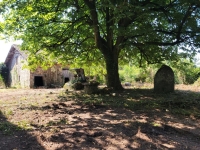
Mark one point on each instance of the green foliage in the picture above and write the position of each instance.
(186, 72)
(101, 32)
(92, 68)
(3, 74)
(1, 82)
(1, 78)
(197, 83)
(130, 73)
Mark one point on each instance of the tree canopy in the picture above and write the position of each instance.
(107, 31)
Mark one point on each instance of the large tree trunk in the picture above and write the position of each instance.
(113, 80)
(105, 45)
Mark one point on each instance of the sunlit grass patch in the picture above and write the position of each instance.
(8, 112)
(156, 124)
(24, 125)
(62, 121)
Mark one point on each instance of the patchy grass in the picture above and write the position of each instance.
(61, 121)
(8, 128)
(178, 103)
(138, 118)
(7, 113)
(24, 125)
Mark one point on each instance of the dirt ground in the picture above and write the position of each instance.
(50, 119)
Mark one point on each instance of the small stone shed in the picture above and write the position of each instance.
(22, 77)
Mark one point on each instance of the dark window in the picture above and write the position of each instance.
(66, 80)
(38, 81)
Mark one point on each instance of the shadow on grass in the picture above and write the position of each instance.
(104, 127)
(179, 102)
(132, 119)
(13, 137)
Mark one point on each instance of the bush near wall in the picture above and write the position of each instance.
(2, 85)
(4, 73)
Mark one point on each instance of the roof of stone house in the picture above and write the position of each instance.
(14, 49)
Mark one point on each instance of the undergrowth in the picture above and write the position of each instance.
(8, 128)
(178, 103)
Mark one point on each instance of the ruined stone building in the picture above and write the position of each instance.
(22, 77)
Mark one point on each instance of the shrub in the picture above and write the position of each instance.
(2, 85)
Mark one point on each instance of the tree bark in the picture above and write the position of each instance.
(113, 80)
(110, 52)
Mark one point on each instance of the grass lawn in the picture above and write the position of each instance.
(135, 118)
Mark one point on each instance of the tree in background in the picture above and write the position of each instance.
(185, 71)
(105, 30)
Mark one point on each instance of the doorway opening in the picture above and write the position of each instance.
(66, 80)
(38, 81)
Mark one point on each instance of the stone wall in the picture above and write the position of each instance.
(19, 77)
(68, 74)
(51, 77)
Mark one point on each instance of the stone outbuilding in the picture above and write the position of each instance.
(22, 77)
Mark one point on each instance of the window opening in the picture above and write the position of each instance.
(38, 81)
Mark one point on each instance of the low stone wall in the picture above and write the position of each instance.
(91, 87)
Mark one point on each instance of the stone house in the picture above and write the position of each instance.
(22, 77)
